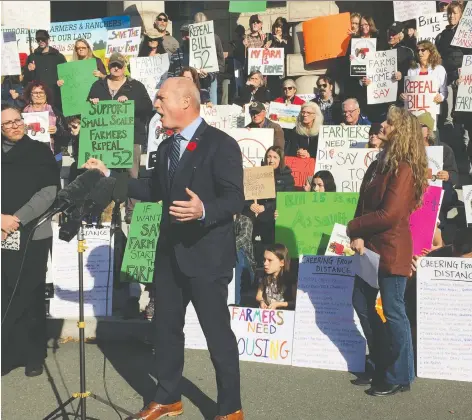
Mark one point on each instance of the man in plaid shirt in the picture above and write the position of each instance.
(256, 39)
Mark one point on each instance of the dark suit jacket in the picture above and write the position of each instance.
(213, 171)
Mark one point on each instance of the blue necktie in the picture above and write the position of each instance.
(174, 156)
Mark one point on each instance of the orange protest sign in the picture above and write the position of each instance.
(326, 37)
(301, 169)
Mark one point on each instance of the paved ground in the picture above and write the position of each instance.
(268, 391)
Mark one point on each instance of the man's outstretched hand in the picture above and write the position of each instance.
(187, 211)
(96, 164)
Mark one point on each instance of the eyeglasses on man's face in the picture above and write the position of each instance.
(14, 123)
(324, 85)
(161, 19)
(349, 112)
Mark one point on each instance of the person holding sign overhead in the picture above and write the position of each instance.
(199, 178)
(392, 189)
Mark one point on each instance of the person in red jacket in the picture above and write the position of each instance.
(290, 89)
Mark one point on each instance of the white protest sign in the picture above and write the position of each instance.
(467, 198)
(65, 274)
(263, 335)
(156, 135)
(430, 26)
(346, 136)
(407, 10)
(327, 334)
(150, 71)
(381, 68)
(420, 92)
(360, 47)
(444, 330)
(307, 97)
(123, 41)
(339, 244)
(435, 164)
(348, 166)
(464, 92)
(10, 56)
(463, 36)
(269, 61)
(222, 117)
(37, 125)
(26, 14)
(202, 47)
(253, 142)
(284, 115)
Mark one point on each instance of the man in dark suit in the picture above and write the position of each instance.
(199, 178)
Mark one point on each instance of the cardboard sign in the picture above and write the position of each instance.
(37, 126)
(78, 79)
(360, 48)
(301, 169)
(327, 333)
(420, 92)
(348, 166)
(140, 252)
(10, 56)
(423, 220)
(123, 41)
(269, 61)
(202, 47)
(464, 92)
(345, 136)
(259, 183)
(381, 68)
(467, 193)
(430, 26)
(284, 115)
(107, 133)
(247, 6)
(222, 117)
(444, 330)
(306, 219)
(263, 335)
(326, 37)
(26, 14)
(435, 164)
(254, 143)
(150, 71)
(463, 36)
(407, 10)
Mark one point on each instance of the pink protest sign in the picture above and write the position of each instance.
(423, 220)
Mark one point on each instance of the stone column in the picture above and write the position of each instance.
(143, 13)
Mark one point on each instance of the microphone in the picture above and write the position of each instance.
(100, 197)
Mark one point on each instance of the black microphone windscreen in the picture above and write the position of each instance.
(101, 194)
(120, 192)
(76, 191)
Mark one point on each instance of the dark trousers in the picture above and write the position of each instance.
(209, 295)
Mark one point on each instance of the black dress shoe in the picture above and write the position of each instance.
(385, 390)
(33, 370)
(362, 381)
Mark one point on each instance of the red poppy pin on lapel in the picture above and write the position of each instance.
(191, 146)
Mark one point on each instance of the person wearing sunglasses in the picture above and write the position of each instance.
(329, 103)
(42, 65)
(289, 97)
(168, 43)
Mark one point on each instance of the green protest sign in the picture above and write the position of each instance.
(78, 78)
(247, 6)
(107, 133)
(138, 261)
(305, 220)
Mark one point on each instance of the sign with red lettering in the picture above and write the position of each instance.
(301, 169)
(253, 142)
(419, 95)
(381, 68)
(269, 61)
(464, 92)
(463, 36)
(123, 41)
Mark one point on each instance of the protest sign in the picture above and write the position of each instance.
(348, 166)
(420, 92)
(467, 197)
(247, 6)
(259, 183)
(306, 219)
(107, 133)
(327, 333)
(222, 117)
(98, 280)
(435, 164)
(463, 36)
(10, 56)
(253, 142)
(301, 169)
(339, 244)
(263, 335)
(64, 34)
(37, 125)
(444, 330)
(284, 115)
(26, 14)
(123, 41)
(360, 48)
(202, 47)
(326, 37)
(345, 136)
(78, 78)
(269, 61)
(140, 251)
(428, 27)
(407, 10)
(150, 71)
(464, 92)
(307, 97)
(423, 220)
(157, 134)
(381, 68)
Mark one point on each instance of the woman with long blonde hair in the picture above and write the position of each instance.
(392, 189)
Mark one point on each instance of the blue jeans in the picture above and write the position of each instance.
(214, 92)
(242, 264)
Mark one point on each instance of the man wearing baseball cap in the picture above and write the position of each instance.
(258, 114)
(256, 38)
(169, 43)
